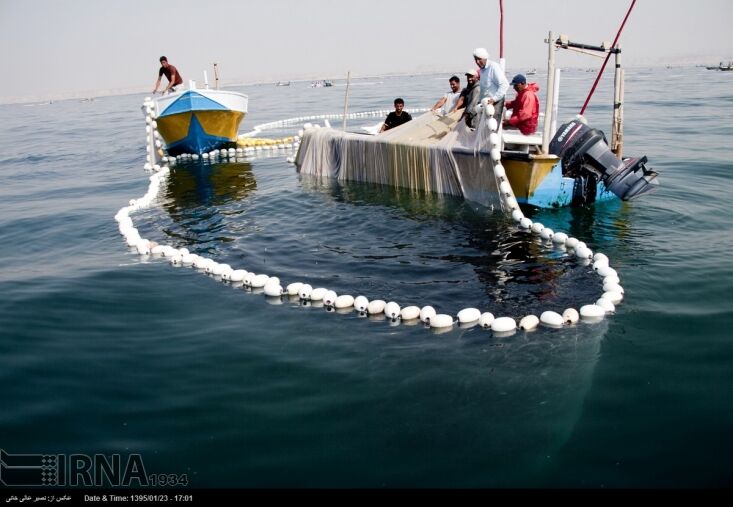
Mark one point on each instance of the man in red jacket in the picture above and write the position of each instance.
(525, 108)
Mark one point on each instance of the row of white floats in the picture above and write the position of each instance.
(289, 122)
(613, 292)
(271, 286)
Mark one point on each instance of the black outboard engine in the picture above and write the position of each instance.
(587, 158)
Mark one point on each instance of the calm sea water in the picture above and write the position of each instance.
(104, 352)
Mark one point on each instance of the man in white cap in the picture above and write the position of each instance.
(494, 84)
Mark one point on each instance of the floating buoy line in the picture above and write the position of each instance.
(291, 122)
(272, 287)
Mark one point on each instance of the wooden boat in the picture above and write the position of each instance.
(439, 154)
(199, 120)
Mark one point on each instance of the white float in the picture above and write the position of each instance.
(376, 307)
(318, 293)
(329, 298)
(427, 313)
(592, 312)
(344, 301)
(613, 296)
(361, 303)
(469, 315)
(392, 310)
(503, 325)
(486, 319)
(529, 322)
(552, 319)
(441, 320)
(259, 281)
(273, 290)
(410, 313)
(305, 291)
(606, 304)
(570, 316)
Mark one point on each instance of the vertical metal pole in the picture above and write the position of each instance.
(555, 102)
(550, 92)
(616, 103)
(346, 98)
(620, 134)
(216, 75)
(206, 80)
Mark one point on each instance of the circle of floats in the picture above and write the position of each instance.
(613, 292)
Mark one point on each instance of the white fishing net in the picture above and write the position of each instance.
(431, 153)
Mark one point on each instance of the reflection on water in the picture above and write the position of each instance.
(196, 197)
(517, 273)
(202, 184)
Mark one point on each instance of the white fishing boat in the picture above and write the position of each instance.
(199, 120)
(569, 165)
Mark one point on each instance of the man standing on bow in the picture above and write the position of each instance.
(493, 81)
(171, 73)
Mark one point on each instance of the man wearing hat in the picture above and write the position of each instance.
(469, 98)
(493, 81)
(525, 108)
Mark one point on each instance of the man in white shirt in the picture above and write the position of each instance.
(494, 84)
(448, 101)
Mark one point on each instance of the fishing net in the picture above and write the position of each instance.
(431, 153)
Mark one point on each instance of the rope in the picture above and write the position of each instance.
(600, 73)
(501, 28)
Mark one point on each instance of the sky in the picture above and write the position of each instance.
(78, 48)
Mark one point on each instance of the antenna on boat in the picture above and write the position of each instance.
(617, 129)
(216, 75)
(547, 131)
(346, 98)
(206, 80)
(502, 62)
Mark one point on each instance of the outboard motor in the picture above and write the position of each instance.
(586, 156)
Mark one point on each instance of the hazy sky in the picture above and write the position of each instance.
(55, 48)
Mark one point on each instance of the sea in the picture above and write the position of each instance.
(106, 352)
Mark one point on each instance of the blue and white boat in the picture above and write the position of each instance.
(199, 120)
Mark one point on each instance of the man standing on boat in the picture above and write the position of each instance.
(171, 73)
(525, 108)
(470, 98)
(396, 117)
(493, 81)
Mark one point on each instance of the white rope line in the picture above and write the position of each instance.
(272, 287)
(291, 122)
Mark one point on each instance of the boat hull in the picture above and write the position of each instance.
(538, 181)
(198, 121)
(423, 158)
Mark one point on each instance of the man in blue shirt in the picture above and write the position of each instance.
(494, 84)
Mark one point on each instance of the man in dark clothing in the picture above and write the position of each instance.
(470, 96)
(525, 108)
(171, 73)
(396, 117)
